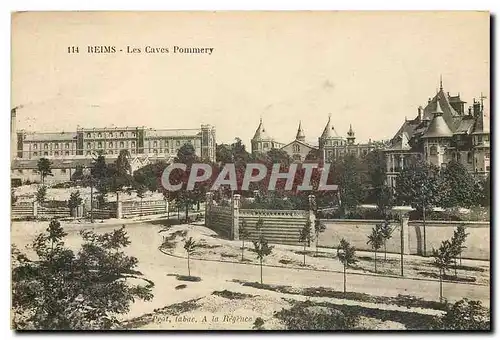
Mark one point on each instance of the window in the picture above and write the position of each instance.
(45, 153)
(56, 153)
(88, 135)
(67, 153)
(487, 155)
(486, 138)
(45, 146)
(166, 143)
(296, 157)
(479, 139)
(110, 134)
(458, 157)
(35, 146)
(155, 151)
(34, 171)
(99, 135)
(99, 145)
(121, 134)
(122, 144)
(88, 153)
(155, 144)
(469, 157)
(89, 145)
(266, 145)
(110, 144)
(20, 171)
(110, 152)
(35, 153)
(177, 143)
(296, 148)
(133, 134)
(63, 171)
(66, 145)
(133, 144)
(433, 150)
(487, 168)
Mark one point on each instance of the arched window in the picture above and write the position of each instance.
(88, 146)
(122, 144)
(433, 150)
(45, 146)
(469, 157)
(99, 145)
(296, 148)
(110, 144)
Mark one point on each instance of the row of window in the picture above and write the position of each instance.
(46, 146)
(111, 135)
(46, 153)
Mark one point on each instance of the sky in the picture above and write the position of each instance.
(368, 69)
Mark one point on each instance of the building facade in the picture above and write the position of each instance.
(443, 131)
(330, 145)
(67, 150)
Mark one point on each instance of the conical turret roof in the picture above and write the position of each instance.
(300, 133)
(438, 126)
(260, 133)
(329, 130)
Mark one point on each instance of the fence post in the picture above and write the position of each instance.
(208, 205)
(35, 209)
(406, 233)
(236, 217)
(119, 209)
(311, 216)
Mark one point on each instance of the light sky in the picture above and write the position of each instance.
(370, 70)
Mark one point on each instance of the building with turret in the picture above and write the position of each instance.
(330, 145)
(443, 131)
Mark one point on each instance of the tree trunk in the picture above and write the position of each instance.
(317, 241)
(242, 248)
(260, 271)
(178, 213)
(140, 208)
(460, 256)
(91, 203)
(440, 285)
(189, 269)
(198, 206)
(455, 267)
(304, 253)
(425, 236)
(375, 260)
(385, 250)
(344, 279)
(187, 211)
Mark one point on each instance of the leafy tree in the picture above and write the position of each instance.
(74, 201)
(386, 231)
(486, 192)
(464, 315)
(319, 227)
(379, 192)
(77, 174)
(346, 255)
(351, 183)
(458, 187)
(44, 167)
(262, 249)
(458, 244)
(375, 240)
(59, 289)
(140, 191)
(150, 175)
(258, 324)
(41, 194)
(190, 246)
(442, 260)
(13, 197)
(305, 237)
(418, 186)
(120, 173)
(244, 234)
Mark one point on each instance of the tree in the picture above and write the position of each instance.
(486, 191)
(351, 183)
(77, 174)
(13, 197)
(190, 246)
(386, 231)
(319, 227)
(140, 191)
(442, 260)
(305, 237)
(74, 201)
(120, 173)
(59, 289)
(262, 249)
(375, 240)
(150, 175)
(41, 194)
(457, 244)
(464, 315)
(346, 255)
(458, 187)
(418, 186)
(379, 192)
(44, 168)
(244, 234)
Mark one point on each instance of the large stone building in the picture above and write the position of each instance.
(67, 150)
(330, 145)
(442, 131)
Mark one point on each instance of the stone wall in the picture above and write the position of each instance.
(357, 231)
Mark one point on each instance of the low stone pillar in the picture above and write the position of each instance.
(406, 233)
(235, 212)
(119, 209)
(35, 209)
(312, 216)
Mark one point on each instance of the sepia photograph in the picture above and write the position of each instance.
(250, 170)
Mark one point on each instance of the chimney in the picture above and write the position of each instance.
(429, 101)
(420, 113)
(476, 107)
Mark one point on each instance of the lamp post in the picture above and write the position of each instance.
(402, 211)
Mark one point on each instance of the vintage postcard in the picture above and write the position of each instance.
(250, 171)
